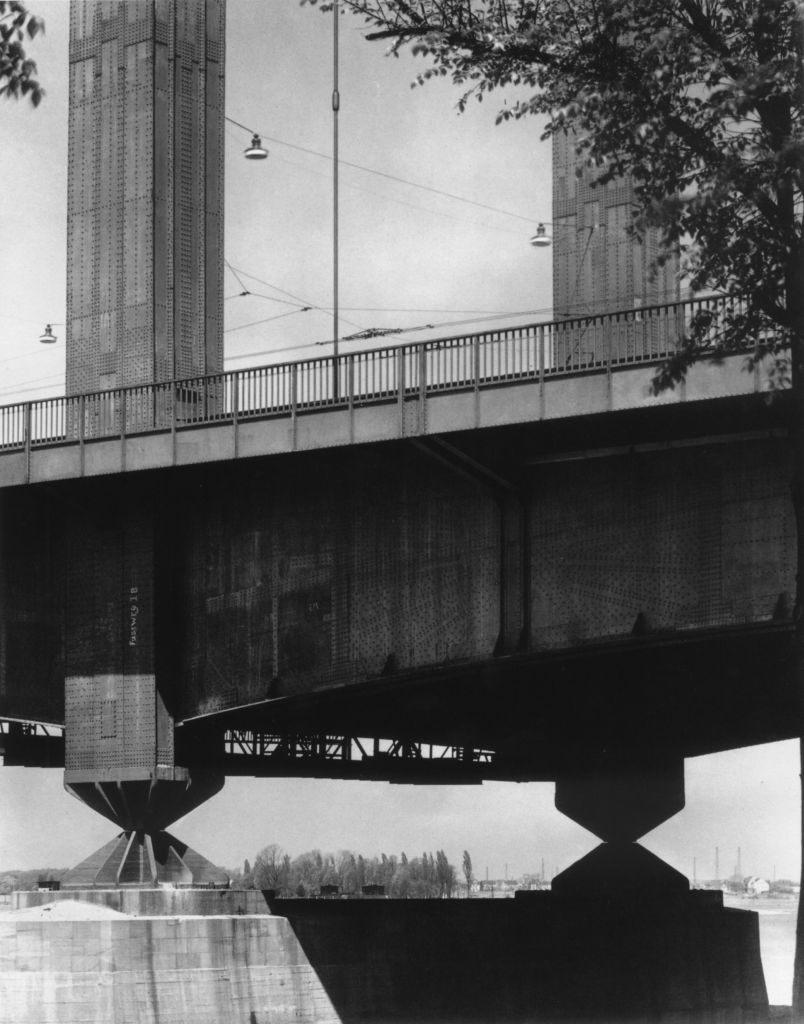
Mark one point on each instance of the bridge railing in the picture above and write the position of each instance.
(485, 359)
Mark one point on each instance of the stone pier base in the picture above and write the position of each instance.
(223, 957)
(157, 970)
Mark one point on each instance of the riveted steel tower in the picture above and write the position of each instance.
(145, 192)
(598, 266)
(144, 305)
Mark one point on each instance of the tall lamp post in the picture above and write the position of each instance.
(255, 151)
(336, 103)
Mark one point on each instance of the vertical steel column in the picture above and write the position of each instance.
(336, 104)
(28, 406)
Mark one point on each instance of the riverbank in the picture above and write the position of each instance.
(777, 939)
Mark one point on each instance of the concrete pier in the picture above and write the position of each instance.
(209, 957)
(156, 970)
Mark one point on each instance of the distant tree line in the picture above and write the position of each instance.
(430, 876)
(20, 881)
(427, 877)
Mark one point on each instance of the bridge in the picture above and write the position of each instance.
(501, 547)
(533, 373)
(492, 556)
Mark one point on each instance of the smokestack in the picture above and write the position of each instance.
(717, 864)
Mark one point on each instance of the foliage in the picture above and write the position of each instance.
(698, 101)
(784, 887)
(268, 871)
(445, 875)
(21, 881)
(17, 70)
(467, 870)
(425, 877)
(241, 879)
(699, 104)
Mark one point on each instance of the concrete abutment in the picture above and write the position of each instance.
(206, 956)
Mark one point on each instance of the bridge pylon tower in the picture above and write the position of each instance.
(120, 756)
(144, 306)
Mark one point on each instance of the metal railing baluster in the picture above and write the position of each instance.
(580, 344)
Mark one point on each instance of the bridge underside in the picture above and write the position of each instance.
(540, 715)
(550, 601)
(549, 592)
(520, 718)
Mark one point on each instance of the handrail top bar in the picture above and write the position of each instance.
(411, 345)
(567, 322)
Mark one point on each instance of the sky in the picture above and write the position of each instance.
(409, 256)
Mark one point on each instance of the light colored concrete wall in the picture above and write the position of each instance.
(152, 902)
(157, 970)
(541, 959)
(556, 397)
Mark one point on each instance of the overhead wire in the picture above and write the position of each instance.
(364, 333)
(27, 355)
(382, 174)
(377, 309)
(490, 317)
(236, 276)
(276, 288)
(25, 320)
(54, 380)
(389, 177)
(402, 202)
(307, 306)
(579, 270)
(239, 272)
(259, 295)
(273, 351)
(246, 292)
(378, 332)
(486, 317)
(395, 309)
(439, 326)
(267, 320)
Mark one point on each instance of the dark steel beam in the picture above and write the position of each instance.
(31, 744)
(323, 755)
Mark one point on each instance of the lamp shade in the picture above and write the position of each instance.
(255, 151)
(541, 238)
